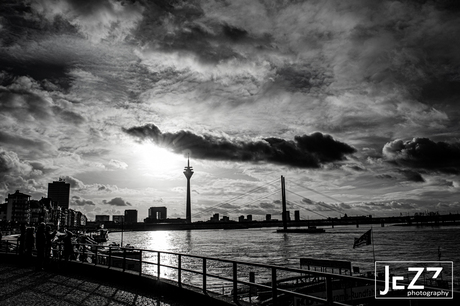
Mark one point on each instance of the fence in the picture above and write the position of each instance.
(276, 285)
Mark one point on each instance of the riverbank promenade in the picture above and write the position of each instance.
(74, 284)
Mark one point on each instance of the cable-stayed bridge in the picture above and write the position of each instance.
(266, 199)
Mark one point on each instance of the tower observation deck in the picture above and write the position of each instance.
(188, 172)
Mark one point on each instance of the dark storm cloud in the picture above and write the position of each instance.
(21, 99)
(412, 175)
(20, 23)
(68, 116)
(424, 153)
(303, 78)
(234, 33)
(187, 28)
(39, 69)
(117, 202)
(31, 144)
(307, 151)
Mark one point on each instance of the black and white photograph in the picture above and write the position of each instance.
(229, 152)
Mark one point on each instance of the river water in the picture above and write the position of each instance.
(266, 246)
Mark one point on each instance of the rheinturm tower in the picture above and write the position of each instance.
(188, 172)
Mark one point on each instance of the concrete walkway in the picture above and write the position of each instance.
(76, 283)
(21, 285)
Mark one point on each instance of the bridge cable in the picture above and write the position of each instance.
(307, 209)
(320, 203)
(229, 211)
(236, 198)
(320, 193)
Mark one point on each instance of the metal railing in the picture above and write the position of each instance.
(278, 284)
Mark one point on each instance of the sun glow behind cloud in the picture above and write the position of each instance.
(154, 161)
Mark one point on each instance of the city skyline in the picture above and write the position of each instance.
(355, 102)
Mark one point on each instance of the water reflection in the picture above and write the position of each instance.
(267, 246)
(188, 241)
(158, 240)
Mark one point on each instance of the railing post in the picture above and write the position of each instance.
(329, 290)
(110, 257)
(84, 253)
(235, 282)
(140, 262)
(158, 265)
(252, 279)
(124, 260)
(60, 251)
(274, 293)
(96, 258)
(179, 270)
(204, 275)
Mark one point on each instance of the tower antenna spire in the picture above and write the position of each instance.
(188, 172)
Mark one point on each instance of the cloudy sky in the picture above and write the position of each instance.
(355, 102)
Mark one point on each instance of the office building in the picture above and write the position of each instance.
(59, 191)
(130, 216)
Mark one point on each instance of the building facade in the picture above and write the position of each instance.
(156, 214)
(130, 216)
(18, 208)
(59, 191)
(118, 218)
(102, 218)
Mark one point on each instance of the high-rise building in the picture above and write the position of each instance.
(130, 216)
(59, 191)
(18, 207)
(158, 213)
(296, 215)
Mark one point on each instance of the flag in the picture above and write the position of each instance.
(365, 239)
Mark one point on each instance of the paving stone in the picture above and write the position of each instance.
(45, 287)
(76, 296)
(145, 301)
(88, 286)
(24, 286)
(8, 289)
(124, 296)
(115, 303)
(106, 291)
(26, 298)
(95, 299)
(60, 291)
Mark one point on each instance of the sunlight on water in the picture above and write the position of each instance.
(268, 247)
(158, 240)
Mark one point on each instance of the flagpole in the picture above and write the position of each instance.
(372, 237)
